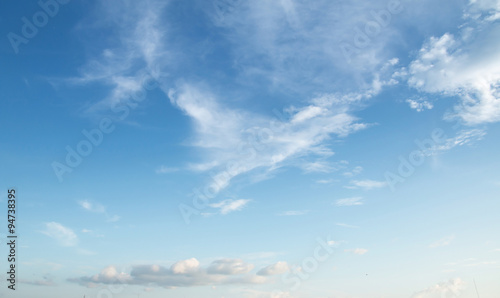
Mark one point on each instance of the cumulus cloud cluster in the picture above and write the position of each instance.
(466, 66)
(186, 273)
(451, 288)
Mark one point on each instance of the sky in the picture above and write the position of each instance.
(230, 148)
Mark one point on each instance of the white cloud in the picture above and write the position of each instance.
(357, 170)
(367, 184)
(335, 243)
(326, 181)
(287, 42)
(317, 166)
(442, 242)
(349, 201)
(444, 289)
(274, 269)
(223, 132)
(63, 235)
(92, 207)
(466, 66)
(229, 205)
(184, 273)
(98, 208)
(184, 266)
(229, 267)
(139, 41)
(463, 137)
(165, 170)
(419, 104)
(237, 142)
(357, 251)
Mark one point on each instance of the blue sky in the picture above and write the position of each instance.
(252, 149)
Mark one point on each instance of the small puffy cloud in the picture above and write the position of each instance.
(92, 207)
(357, 251)
(274, 269)
(451, 288)
(442, 242)
(349, 201)
(419, 104)
(229, 267)
(367, 184)
(228, 206)
(63, 235)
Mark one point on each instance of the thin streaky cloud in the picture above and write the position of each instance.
(442, 242)
(229, 205)
(355, 201)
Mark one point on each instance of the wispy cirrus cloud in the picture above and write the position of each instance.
(165, 170)
(92, 207)
(46, 280)
(355, 201)
(224, 133)
(61, 234)
(442, 242)
(355, 171)
(366, 184)
(98, 208)
(229, 205)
